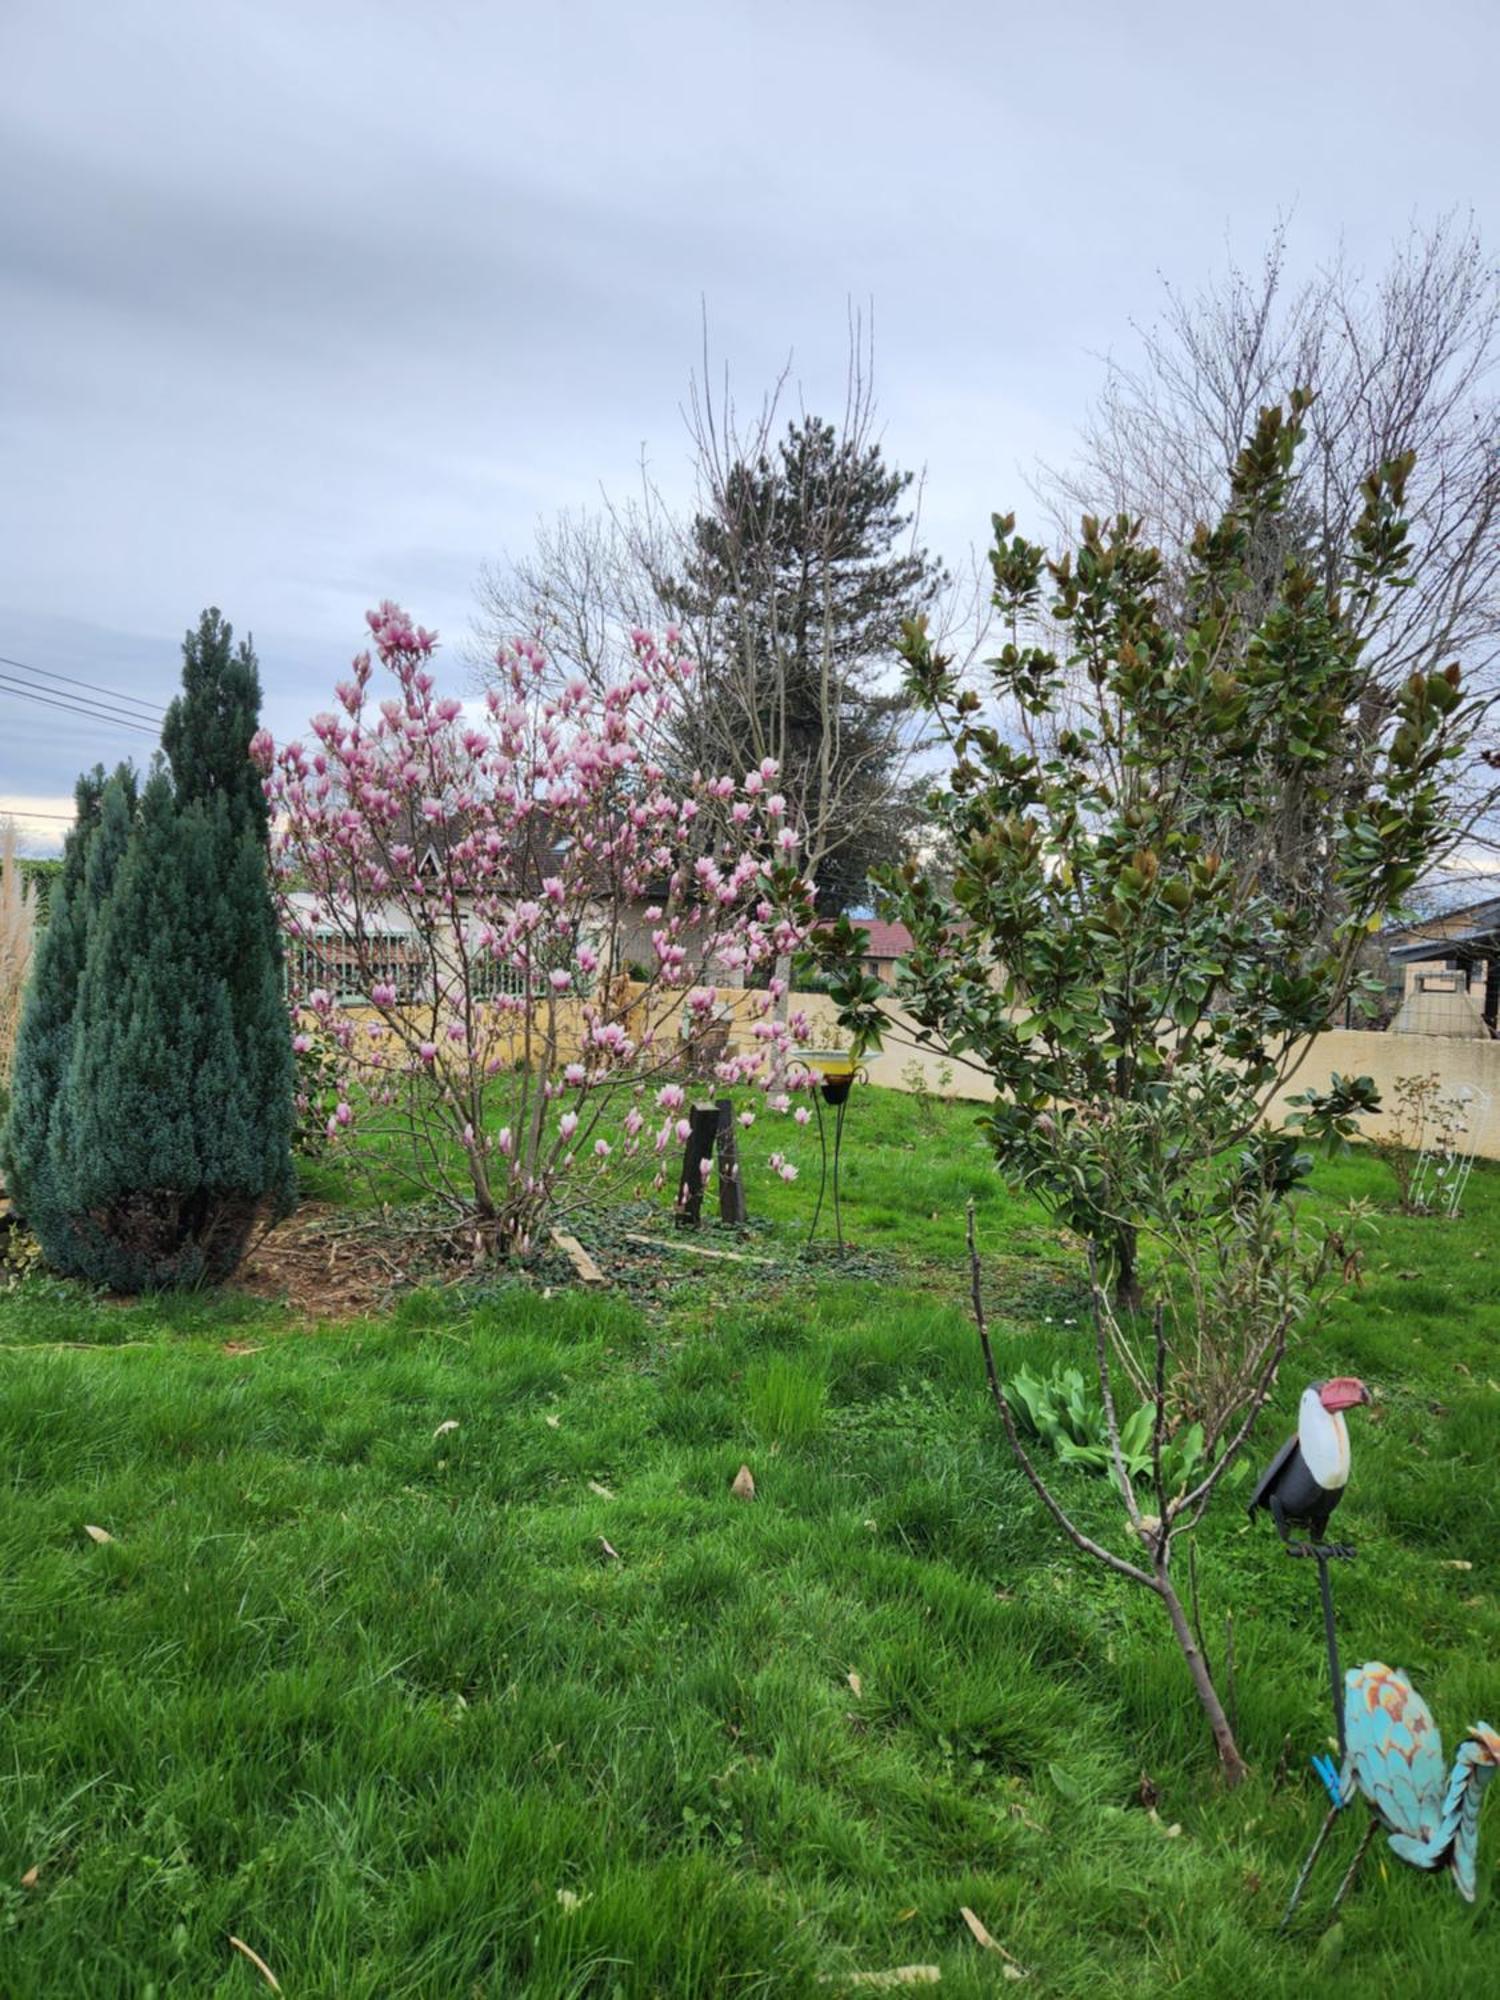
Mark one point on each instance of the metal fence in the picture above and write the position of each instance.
(328, 962)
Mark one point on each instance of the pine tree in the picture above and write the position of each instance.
(795, 588)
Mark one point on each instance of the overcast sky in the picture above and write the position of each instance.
(306, 305)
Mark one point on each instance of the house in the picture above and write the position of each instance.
(889, 944)
(388, 945)
(1448, 964)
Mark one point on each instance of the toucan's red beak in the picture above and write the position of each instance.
(1343, 1392)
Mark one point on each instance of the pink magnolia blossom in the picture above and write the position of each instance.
(554, 816)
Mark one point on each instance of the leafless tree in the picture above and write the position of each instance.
(581, 588)
(1404, 361)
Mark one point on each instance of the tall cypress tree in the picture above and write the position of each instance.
(179, 1086)
(32, 1146)
(163, 1076)
(209, 726)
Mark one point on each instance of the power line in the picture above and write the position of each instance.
(92, 714)
(19, 812)
(121, 700)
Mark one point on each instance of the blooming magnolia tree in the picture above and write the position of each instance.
(475, 879)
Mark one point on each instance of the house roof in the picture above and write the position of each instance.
(1481, 943)
(1452, 893)
(888, 940)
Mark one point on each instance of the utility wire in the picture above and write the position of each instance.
(19, 812)
(121, 700)
(92, 714)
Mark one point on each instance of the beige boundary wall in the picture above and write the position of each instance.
(1459, 1063)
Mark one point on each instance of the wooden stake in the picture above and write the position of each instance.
(703, 1126)
(731, 1185)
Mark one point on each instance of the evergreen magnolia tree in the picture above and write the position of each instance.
(1122, 950)
(793, 583)
(153, 1111)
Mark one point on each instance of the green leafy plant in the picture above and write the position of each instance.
(1422, 1146)
(316, 1097)
(1066, 1412)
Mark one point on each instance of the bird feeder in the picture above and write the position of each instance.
(834, 1073)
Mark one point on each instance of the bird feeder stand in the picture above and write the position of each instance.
(835, 1074)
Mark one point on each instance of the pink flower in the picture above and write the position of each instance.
(747, 1119)
(576, 1074)
(383, 993)
(505, 1142)
(684, 1129)
(669, 1097)
(302, 1043)
(428, 1052)
(802, 1114)
(601, 1149)
(567, 1125)
(559, 979)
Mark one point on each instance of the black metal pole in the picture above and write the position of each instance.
(838, 1147)
(823, 1178)
(1330, 1634)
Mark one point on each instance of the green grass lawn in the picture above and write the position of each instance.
(532, 1706)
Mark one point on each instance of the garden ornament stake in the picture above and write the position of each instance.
(837, 1075)
(1394, 1759)
(1301, 1487)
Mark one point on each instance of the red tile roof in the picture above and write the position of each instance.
(888, 940)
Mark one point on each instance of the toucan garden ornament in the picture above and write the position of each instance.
(1303, 1484)
(1305, 1481)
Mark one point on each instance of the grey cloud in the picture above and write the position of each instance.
(303, 306)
